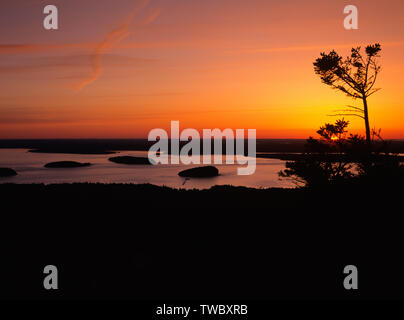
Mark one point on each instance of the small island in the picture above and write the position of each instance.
(66, 164)
(7, 172)
(200, 172)
(131, 160)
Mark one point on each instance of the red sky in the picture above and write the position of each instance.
(118, 69)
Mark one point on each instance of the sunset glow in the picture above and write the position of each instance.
(118, 71)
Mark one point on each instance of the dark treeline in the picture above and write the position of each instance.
(105, 146)
(89, 146)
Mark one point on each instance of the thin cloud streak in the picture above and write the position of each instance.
(77, 61)
(111, 40)
(37, 48)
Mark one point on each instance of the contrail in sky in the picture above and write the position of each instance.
(112, 39)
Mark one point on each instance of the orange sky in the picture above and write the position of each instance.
(118, 69)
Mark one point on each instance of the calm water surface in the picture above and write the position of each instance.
(30, 168)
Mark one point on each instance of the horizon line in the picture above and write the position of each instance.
(10, 139)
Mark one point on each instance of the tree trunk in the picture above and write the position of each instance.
(366, 116)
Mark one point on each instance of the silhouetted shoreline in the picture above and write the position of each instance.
(321, 157)
(7, 172)
(111, 146)
(66, 164)
(129, 160)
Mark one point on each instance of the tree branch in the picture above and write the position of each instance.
(349, 80)
(374, 79)
(349, 110)
(357, 108)
(374, 91)
(345, 114)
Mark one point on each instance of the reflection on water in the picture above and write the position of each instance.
(30, 170)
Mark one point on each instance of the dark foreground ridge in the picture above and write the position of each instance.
(7, 172)
(66, 164)
(130, 160)
(148, 242)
